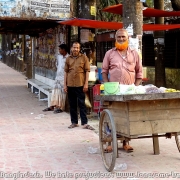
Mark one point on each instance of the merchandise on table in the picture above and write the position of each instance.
(114, 88)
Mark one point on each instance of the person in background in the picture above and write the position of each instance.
(76, 77)
(58, 96)
(123, 64)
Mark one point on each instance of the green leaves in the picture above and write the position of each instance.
(104, 16)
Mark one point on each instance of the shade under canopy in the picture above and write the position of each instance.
(148, 12)
(87, 23)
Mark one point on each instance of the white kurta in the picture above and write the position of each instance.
(58, 96)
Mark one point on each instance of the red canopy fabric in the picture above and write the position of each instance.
(160, 27)
(86, 23)
(149, 12)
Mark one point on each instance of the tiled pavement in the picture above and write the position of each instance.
(36, 143)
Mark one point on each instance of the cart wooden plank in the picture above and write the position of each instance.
(139, 97)
(160, 117)
(138, 115)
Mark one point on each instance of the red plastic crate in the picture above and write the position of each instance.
(97, 106)
(96, 90)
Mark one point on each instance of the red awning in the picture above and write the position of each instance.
(160, 27)
(149, 12)
(86, 23)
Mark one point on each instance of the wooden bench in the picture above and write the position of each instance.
(43, 90)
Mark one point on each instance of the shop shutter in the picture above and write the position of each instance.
(170, 51)
(102, 48)
(177, 62)
(148, 50)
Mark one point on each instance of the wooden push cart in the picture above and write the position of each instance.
(127, 117)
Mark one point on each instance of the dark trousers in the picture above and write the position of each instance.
(76, 97)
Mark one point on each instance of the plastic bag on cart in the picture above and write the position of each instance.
(126, 89)
(150, 88)
(140, 89)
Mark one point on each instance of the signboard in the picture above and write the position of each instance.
(148, 32)
(134, 43)
(130, 30)
(48, 9)
(93, 10)
(160, 41)
(6, 7)
(84, 35)
(111, 35)
(52, 9)
(39, 7)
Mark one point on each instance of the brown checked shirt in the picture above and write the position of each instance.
(76, 68)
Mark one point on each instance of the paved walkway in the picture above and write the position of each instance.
(36, 142)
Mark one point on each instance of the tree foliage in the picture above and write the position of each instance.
(104, 16)
(167, 4)
(149, 3)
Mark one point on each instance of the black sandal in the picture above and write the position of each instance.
(88, 127)
(47, 109)
(73, 126)
(57, 111)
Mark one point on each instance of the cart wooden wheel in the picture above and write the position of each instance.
(107, 140)
(177, 138)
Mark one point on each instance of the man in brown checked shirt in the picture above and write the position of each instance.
(76, 77)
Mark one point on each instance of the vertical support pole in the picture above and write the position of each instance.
(156, 145)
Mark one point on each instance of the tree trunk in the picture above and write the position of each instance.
(132, 16)
(160, 79)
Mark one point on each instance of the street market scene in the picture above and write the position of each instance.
(90, 89)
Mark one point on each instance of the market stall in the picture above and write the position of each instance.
(134, 116)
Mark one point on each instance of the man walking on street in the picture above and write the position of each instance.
(76, 77)
(123, 64)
